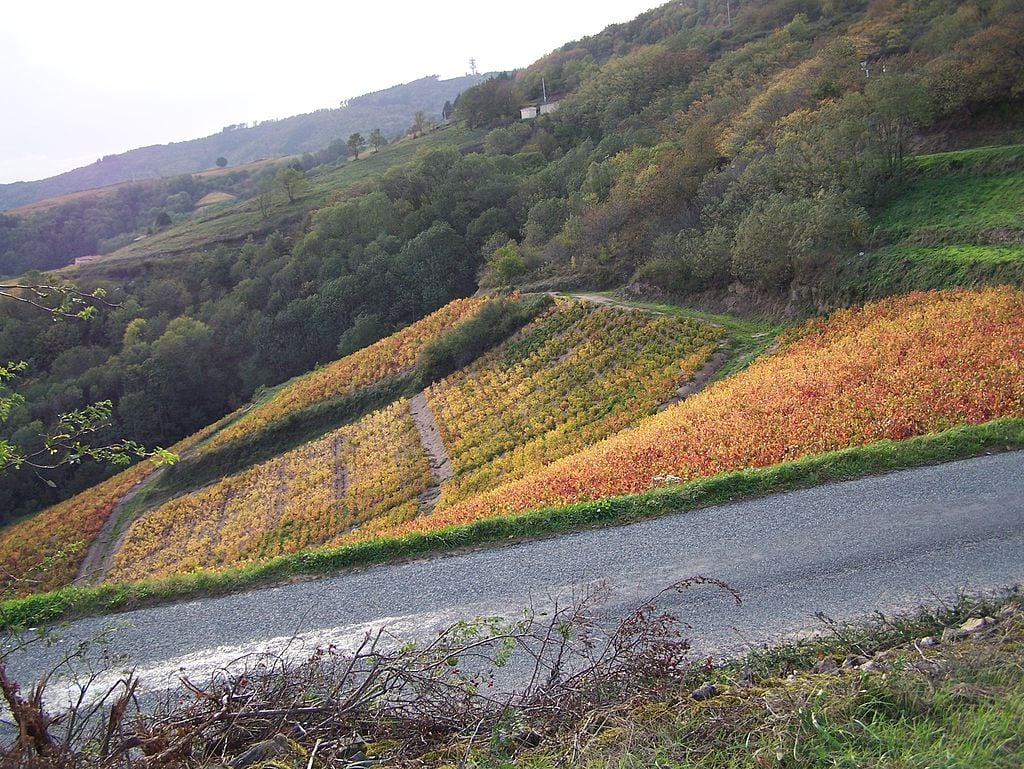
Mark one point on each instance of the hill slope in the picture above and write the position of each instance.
(390, 110)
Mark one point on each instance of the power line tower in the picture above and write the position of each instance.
(472, 66)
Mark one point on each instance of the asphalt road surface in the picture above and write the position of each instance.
(885, 543)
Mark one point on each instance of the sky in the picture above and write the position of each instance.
(81, 80)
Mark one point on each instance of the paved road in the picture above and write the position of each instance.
(887, 543)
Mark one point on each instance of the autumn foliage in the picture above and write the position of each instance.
(387, 358)
(892, 369)
(574, 376)
(372, 468)
(46, 550)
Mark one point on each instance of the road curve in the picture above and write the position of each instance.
(885, 543)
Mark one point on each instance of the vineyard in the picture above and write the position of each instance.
(577, 375)
(892, 369)
(387, 358)
(545, 418)
(371, 470)
(47, 549)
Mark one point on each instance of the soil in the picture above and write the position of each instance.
(100, 555)
(700, 379)
(441, 469)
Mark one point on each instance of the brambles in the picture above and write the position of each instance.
(306, 497)
(892, 369)
(556, 664)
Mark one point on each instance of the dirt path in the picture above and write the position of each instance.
(100, 555)
(700, 380)
(441, 468)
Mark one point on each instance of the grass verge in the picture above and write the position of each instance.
(883, 456)
(885, 692)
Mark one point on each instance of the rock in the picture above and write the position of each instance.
(854, 661)
(929, 641)
(977, 624)
(876, 664)
(827, 665)
(705, 692)
(262, 751)
(360, 761)
(968, 628)
(952, 634)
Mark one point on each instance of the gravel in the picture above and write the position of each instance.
(887, 543)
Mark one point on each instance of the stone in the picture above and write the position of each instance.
(929, 641)
(977, 624)
(854, 661)
(877, 664)
(827, 665)
(262, 751)
(705, 692)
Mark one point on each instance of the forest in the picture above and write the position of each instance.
(748, 160)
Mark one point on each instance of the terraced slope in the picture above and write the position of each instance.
(47, 549)
(370, 470)
(389, 357)
(573, 377)
(959, 221)
(576, 374)
(892, 369)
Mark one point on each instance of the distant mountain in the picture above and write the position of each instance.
(390, 110)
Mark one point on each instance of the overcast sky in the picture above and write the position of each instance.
(79, 80)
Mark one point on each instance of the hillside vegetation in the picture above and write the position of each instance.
(574, 375)
(892, 369)
(757, 159)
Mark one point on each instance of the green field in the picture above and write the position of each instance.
(955, 208)
(959, 221)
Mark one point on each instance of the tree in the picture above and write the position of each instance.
(419, 123)
(507, 264)
(897, 103)
(377, 139)
(264, 196)
(292, 180)
(163, 219)
(69, 441)
(356, 142)
(222, 161)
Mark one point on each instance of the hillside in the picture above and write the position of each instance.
(561, 412)
(390, 110)
(775, 161)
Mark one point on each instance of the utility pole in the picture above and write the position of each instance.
(472, 66)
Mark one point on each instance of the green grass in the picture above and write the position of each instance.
(958, 208)
(999, 435)
(992, 158)
(899, 269)
(958, 222)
